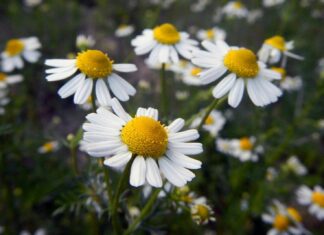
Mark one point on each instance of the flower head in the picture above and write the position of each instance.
(201, 212)
(153, 146)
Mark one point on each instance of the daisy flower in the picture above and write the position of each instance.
(284, 220)
(49, 147)
(271, 3)
(164, 43)
(32, 3)
(201, 212)
(235, 9)
(212, 34)
(6, 80)
(17, 49)
(84, 42)
(312, 198)
(124, 30)
(153, 146)
(213, 124)
(286, 82)
(274, 48)
(95, 71)
(294, 165)
(244, 70)
(190, 75)
(244, 149)
(4, 100)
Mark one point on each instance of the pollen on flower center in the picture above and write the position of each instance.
(237, 5)
(48, 147)
(94, 63)
(195, 71)
(242, 62)
(14, 47)
(245, 144)
(210, 33)
(281, 222)
(209, 120)
(318, 198)
(3, 77)
(281, 71)
(294, 214)
(145, 136)
(202, 211)
(166, 34)
(277, 42)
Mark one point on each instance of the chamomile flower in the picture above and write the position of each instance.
(201, 212)
(49, 147)
(213, 124)
(84, 42)
(274, 48)
(312, 198)
(288, 83)
(244, 70)
(4, 100)
(142, 139)
(94, 70)
(212, 34)
(294, 165)
(245, 148)
(124, 30)
(6, 79)
(271, 3)
(164, 43)
(190, 75)
(18, 49)
(235, 9)
(32, 3)
(284, 220)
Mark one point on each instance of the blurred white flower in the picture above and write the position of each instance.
(32, 3)
(181, 95)
(6, 79)
(124, 30)
(84, 42)
(201, 212)
(312, 198)
(212, 34)
(199, 6)
(271, 3)
(235, 9)
(254, 15)
(213, 124)
(293, 164)
(286, 82)
(271, 173)
(17, 49)
(4, 100)
(49, 147)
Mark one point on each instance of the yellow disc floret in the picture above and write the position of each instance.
(318, 198)
(210, 120)
(294, 214)
(48, 147)
(281, 71)
(3, 77)
(202, 212)
(210, 33)
(277, 42)
(246, 144)
(145, 136)
(166, 34)
(281, 222)
(238, 5)
(195, 71)
(94, 63)
(242, 62)
(14, 47)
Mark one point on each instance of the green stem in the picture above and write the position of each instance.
(115, 202)
(93, 100)
(146, 210)
(164, 100)
(215, 104)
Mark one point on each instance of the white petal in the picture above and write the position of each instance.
(212, 74)
(153, 113)
(125, 68)
(153, 175)
(12, 79)
(60, 62)
(171, 173)
(31, 56)
(118, 109)
(83, 92)
(186, 148)
(183, 160)
(176, 125)
(118, 160)
(71, 86)
(184, 136)
(236, 93)
(62, 75)
(102, 93)
(138, 172)
(251, 89)
(117, 88)
(164, 54)
(224, 86)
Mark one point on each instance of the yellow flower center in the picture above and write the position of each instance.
(14, 47)
(166, 34)
(237, 5)
(210, 33)
(245, 144)
(277, 42)
(294, 214)
(94, 63)
(318, 198)
(281, 71)
(202, 211)
(48, 147)
(3, 77)
(242, 62)
(195, 71)
(210, 120)
(281, 222)
(186, 198)
(145, 136)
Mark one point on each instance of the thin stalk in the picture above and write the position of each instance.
(215, 104)
(146, 210)
(115, 202)
(93, 100)
(163, 86)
